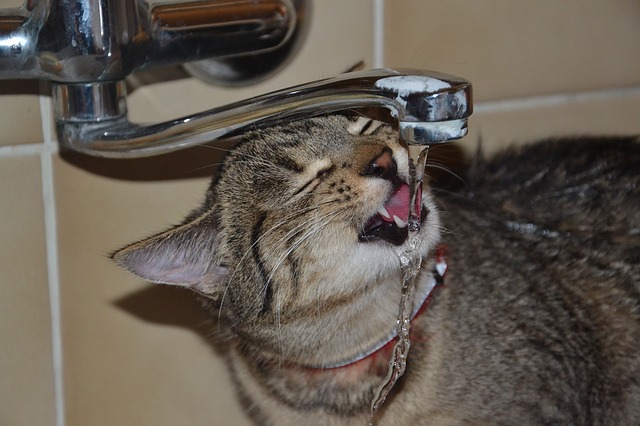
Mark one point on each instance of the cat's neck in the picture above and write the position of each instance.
(385, 348)
(372, 358)
(381, 355)
(376, 358)
(350, 386)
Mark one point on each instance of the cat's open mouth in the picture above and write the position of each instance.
(390, 223)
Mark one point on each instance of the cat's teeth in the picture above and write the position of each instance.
(383, 212)
(401, 223)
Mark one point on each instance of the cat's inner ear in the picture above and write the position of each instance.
(183, 255)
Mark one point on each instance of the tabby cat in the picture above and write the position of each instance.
(535, 321)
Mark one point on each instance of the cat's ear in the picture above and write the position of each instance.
(183, 255)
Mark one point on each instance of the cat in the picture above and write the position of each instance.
(527, 307)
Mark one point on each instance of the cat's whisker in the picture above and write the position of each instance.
(214, 147)
(305, 236)
(316, 226)
(208, 166)
(266, 165)
(218, 148)
(280, 340)
(250, 162)
(439, 166)
(314, 229)
(211, 165)
(292, 233)
(256, 159)
(285, 220)
(289, 234)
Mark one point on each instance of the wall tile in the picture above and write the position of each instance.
(134, 353)
(498, 126)
(517, 48)
(20, 119)
(26, 368)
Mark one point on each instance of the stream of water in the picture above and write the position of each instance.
(410, 261)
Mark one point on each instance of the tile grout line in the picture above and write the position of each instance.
(378, 34)
(21, 150)
(530, 102)
(48, 149)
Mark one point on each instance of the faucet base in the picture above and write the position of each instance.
(250, 69)
(89, 102)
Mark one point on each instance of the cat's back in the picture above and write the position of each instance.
(540, 316)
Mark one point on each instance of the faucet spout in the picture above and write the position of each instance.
(430, 108)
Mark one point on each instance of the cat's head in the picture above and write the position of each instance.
(292, 241)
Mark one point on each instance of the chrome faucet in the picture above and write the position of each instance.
(87, 47)
(430, 108)
(87, 41)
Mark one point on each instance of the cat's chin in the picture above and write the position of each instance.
(425, 284)
(367, 322)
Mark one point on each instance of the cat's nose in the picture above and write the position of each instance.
(383, 166)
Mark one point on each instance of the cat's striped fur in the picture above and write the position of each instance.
(538, 323)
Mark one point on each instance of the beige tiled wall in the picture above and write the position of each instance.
(84, 343)
(26, 364)
(539, 69)
(23, 109)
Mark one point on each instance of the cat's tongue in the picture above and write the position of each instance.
(397, 208)
(390, 224)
